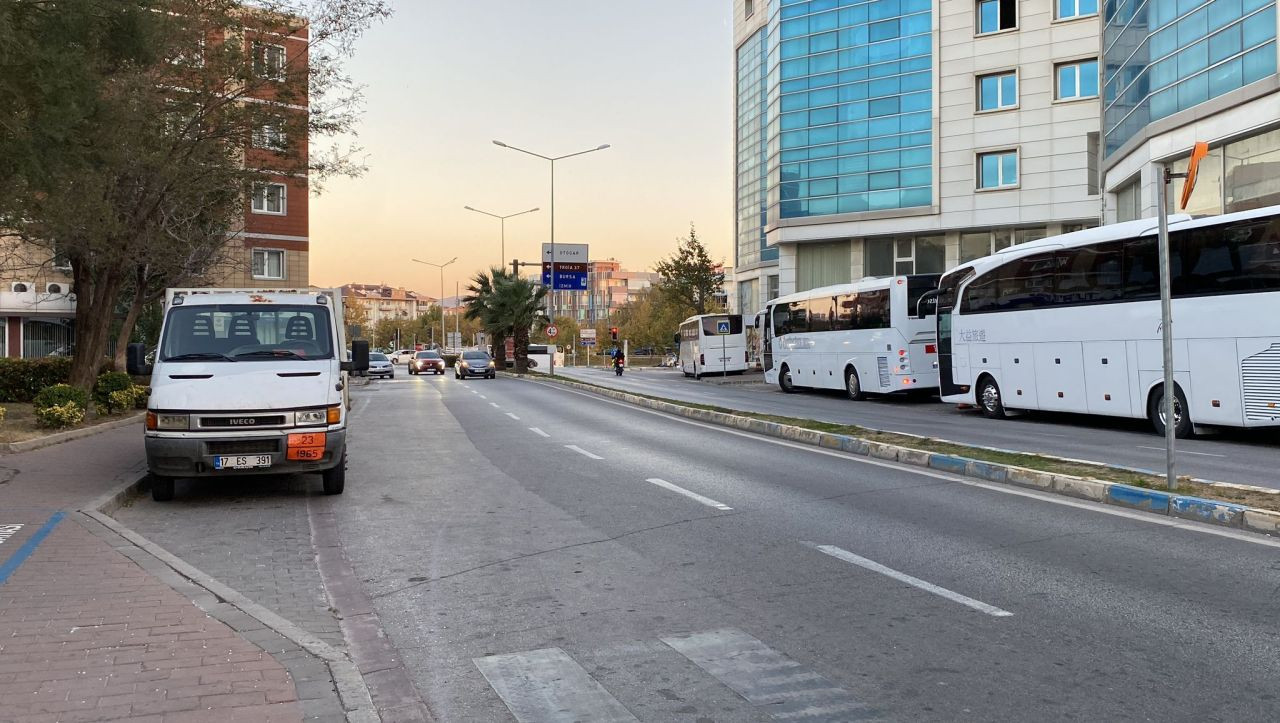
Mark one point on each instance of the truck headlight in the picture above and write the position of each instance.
(311, 416)
(157, 421)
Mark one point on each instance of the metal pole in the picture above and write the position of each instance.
(503, 222)
(457, 330)
(551, 302)
(1166, 328)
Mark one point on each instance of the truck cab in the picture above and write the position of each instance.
(249, 382)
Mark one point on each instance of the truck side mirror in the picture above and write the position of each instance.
(359, 357)
(136, 360)
(676, 338)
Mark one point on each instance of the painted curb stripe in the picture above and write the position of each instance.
(20, 556)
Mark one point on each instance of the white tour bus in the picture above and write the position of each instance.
(1072, 323)
(712, 344)
(874, 336)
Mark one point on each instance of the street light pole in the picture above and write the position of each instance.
(441, 267)
(503, 222)
(551, 296)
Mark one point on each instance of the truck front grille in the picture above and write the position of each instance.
(244, 446)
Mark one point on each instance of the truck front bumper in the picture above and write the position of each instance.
(192, 455)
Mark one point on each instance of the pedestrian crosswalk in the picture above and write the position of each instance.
(548, 685)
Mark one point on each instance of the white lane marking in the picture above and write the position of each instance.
(691, 495)
(969, 481)
(784, 688)
(582, 451)
(483, 396)
(493, 404)
(1183, 451)
(872, 565)
(509, 414)
(538, 432)
(548, 685)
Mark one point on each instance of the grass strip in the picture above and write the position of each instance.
(1038, 462)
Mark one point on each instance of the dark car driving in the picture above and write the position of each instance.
(475, 364)
(429, 362)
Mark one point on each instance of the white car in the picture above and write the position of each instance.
(380, 366)
(401, 356)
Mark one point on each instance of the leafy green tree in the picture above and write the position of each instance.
(507, 306)
(690, 277)
(131, 127)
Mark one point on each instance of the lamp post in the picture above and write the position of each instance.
(441, 267)
(503, 221)
(551, 296)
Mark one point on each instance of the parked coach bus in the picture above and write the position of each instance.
(712, 343)
(874, 336)
(1072, 324)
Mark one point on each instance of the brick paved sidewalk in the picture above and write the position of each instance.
(88, 634)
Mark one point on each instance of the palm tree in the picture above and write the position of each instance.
(480, 307)
(507, 306)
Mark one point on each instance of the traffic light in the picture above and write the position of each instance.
(613, 333)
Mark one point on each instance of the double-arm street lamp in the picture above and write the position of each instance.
(552, 160)
(441, 267)
(503, 220)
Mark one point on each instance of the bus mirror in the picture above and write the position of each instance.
(927, 303)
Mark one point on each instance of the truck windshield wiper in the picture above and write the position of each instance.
(199, 355)
(270, 353)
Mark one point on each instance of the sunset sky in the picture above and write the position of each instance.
(444, 78)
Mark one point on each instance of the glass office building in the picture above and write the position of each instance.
(1165, 56)
(850, 106)
(752, 153)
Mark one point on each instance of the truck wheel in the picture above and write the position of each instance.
(161, 488)
(335, 478)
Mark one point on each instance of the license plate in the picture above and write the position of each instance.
(250, 461)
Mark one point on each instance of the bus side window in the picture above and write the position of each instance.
(798, 320)
(1141, 269)
(980, 295)
(844, 312)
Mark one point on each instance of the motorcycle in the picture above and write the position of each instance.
(617, 366)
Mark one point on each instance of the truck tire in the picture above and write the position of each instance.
(161, 488)
(335, 478)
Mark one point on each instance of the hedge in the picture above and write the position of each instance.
(61, 394)
(111, 382)
(22, 379)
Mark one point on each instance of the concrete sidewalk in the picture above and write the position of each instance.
(86, 632)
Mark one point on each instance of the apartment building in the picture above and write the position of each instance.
(1177, 73)
(381, 302)
(609, 288)
(907, 136)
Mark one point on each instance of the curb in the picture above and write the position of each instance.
(1215, 512)
(60, 437)
(352, 691)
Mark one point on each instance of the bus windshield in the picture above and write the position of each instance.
(227, 333)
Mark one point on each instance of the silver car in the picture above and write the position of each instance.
(475, 364)
(380, 366)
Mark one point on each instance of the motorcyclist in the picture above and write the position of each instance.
(619, 361)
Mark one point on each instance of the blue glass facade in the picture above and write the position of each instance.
(1164, 56)
(752, 153)
(850, 106)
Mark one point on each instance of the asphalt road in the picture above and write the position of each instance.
(1241, 456)
(536, 554)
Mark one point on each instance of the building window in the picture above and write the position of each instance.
(47, 338)
(905, 255)
(1129, 201)
(269, 136)
(269, 198)
(995, 16)
(1077, 80)
(751, 8)
(1070, 9)
(268, 264)
(1073, 227)
(998, 170)
(268, 61)
(1239, 176)
(771, 287)
(977, 244)
(997, 91)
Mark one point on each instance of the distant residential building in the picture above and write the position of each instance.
(609, 288)
(37, 305)
(382, 302)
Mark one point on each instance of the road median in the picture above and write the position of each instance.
(1256, 509)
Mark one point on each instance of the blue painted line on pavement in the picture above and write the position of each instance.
(16, 559)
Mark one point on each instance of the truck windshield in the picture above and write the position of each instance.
(251, 332)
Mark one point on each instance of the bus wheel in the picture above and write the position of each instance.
(853, 385)
(1181, 418)
(989, 399)
(784, 380)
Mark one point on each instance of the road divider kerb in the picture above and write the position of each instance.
(1216, 512)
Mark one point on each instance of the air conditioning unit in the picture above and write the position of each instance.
(54, 288)
(19, 287)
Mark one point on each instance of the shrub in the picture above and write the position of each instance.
(141, 395)
(119, 400)
(60, 394)
(22, 379)
(3, 412)
(60, 415)
(108, 384)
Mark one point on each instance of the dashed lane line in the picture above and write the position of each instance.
(538, 432)
(849, 557)
(582, 451)
(687, 493)
(509, 414)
